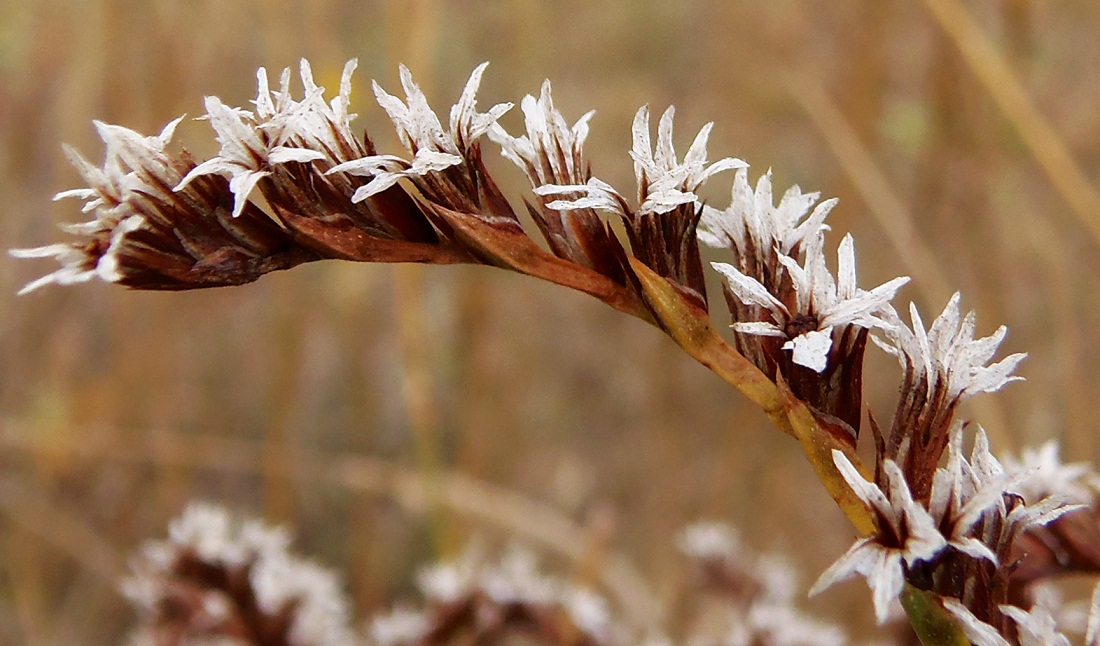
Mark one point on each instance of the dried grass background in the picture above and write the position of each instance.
(116, 407)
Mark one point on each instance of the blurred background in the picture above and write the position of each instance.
(963, 139)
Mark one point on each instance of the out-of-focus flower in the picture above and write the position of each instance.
(1050, 476)
(756, 592)
(219, 578)
(484, 601)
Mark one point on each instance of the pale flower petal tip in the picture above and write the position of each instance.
(976, 630)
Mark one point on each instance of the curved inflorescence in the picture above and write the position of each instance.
(292, 183)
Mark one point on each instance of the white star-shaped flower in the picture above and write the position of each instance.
(822, 302)
(664, 183)
(948, 354)
(552, 152)
(962, 494)
(278, 132)
(753, 226)
(906, 533)
(95, 255)
(422, 134)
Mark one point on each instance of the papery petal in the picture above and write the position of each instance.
(382, 180)
(866, 491)
(282, 155)
(860, 558)
(811, 349)
(748, 290)
(241, 185)
(367, 166)
(977, 631)
(758, 328)
(886, 580)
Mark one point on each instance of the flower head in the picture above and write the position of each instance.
(433, 149)
(217, 577)
(280, 130)
(664, 183)
(906, 533)
(486, 600)
(756, 229)
(820, 302)
(944, 365)
(551, 152)
(947, 355)
(135, 167)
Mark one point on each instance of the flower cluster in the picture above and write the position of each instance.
(964, 535)
(791, 316)
(478, 601)
(755, 593)
(219, 579)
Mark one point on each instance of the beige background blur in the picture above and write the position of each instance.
(116, 407)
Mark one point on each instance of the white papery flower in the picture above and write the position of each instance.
(821, 302)
(906, 533)
(422, 134)
(753, 226)
(664, 183)
(281, 130)
(551, 152)
(109, 188)
(962, 493)
(947, 354)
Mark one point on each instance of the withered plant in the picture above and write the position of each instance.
(961, 539)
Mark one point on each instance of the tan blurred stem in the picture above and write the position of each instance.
(23, 571)
(278, 449)
(1008, 93)
(36, 515)
(896, 220)
(540, 524)
(418, 390)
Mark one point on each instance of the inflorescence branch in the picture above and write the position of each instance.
(292, 183)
